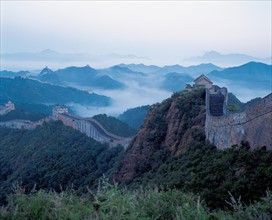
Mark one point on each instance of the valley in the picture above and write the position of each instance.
(135, 110)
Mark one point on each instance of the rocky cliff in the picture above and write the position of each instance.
(169, 126)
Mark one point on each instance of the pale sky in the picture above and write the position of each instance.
(169, 30)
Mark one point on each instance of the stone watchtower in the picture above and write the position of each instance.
(203, 81)
(59, 110)
(9, 106)
(216, 101)
(216, 97)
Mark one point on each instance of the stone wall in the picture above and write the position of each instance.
(24, 124)
(91, 128)
(254, 125)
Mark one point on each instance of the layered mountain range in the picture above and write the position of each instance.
(129, 85)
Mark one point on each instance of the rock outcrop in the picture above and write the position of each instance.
(176, 122)
(170, 125)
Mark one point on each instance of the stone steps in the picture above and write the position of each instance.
(216, 104)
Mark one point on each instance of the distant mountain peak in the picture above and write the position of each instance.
(212, 53)
(49, 51)
(225, 60)
(46, 70)
(173, 66)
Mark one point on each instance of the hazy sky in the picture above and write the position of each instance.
(164, 31)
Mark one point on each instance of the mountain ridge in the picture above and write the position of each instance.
(33, 91)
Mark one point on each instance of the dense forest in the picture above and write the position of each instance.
(52, 156)
(134, 117)
(32, 112)
(211, 173)
(35, 92)
(115, 126)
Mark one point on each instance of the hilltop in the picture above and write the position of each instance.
(24, 90)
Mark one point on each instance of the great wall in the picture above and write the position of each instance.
(222, 128)
(253, 125)
(225, 129)
(88, 126)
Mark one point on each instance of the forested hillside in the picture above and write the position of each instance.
(115, 126)
(52, 156)
(24, 90)
(134, 117)
(27, 112)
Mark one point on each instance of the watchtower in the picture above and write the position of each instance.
(59, 110)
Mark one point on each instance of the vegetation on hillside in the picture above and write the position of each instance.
(252, 75)
(52, 156)
(23, 90)
(175, 81)
(211, 173)
(134, 117)
(53, 171)
(106, 82)
(197, 166)
(235, 105)
(27, 112)
(115, 126)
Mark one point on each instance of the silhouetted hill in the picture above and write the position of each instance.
(79, 76)
(194, 71)
(202, 68)
(233, 100)
(106, 82)
(175, 81)
(24, 90)
(48, 75)
(76, 75)
(251, 75)
(141, 67)
(118, 71)
(7, 73)
(226, 59)
(134, 117)
(115, 126)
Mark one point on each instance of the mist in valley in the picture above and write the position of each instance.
(134, 95)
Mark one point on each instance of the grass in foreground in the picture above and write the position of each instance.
(110, 202)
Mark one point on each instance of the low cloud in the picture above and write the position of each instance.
(243, 93)
(131, 97)
(138, 94)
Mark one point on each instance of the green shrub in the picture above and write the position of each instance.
(111, 202)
